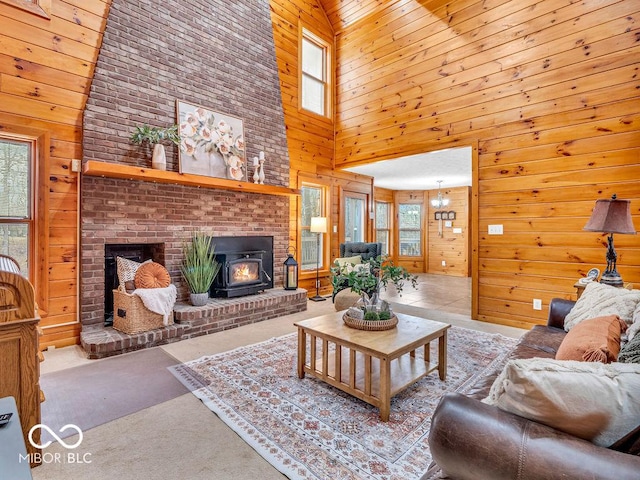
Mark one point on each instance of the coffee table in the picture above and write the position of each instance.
(343, 356)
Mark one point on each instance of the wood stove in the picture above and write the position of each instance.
(246, 266)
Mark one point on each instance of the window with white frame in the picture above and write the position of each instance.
(313, 201)
(16, 200)
(410, 229)
(354, 218)
(383, 234)
(315, 74)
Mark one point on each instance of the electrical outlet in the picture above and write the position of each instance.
(537, 304)
(495, 230)
(75, 165)
(444, 263)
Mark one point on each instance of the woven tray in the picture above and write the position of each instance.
(131, 316)
(370, 325)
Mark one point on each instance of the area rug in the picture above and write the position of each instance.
(104, 390)
(310, 430)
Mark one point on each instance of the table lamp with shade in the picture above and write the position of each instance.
(611, 216)
(318, 226)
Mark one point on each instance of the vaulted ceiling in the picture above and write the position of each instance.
(342, 13)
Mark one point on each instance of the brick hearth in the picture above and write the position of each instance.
(219, 314)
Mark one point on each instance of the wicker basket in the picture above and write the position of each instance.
(371, 325)
(131, 316)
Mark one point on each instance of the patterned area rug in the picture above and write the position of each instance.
(310, 430)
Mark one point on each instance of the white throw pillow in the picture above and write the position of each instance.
(635, 326)
(599, 300)
(127, 270)
(593, 401)
(345, 261)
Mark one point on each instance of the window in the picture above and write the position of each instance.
(16, 201)
(354, 221)
(313, 201)
(383, 211)
(315, 74)
(410, 229)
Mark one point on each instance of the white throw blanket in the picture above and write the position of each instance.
(158, 300)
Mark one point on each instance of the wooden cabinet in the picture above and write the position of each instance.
(20, 367)
(19, 350)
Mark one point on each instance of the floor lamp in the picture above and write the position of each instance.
(318, 226)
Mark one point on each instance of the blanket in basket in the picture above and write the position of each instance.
(159, 300)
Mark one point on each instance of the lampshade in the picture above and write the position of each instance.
(611, 216)
(318, 225)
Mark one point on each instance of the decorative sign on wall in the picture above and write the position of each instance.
(212, 143)
(442, 215)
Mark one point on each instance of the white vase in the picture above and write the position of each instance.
(159, 159)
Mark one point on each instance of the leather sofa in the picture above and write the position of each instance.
(470, 440)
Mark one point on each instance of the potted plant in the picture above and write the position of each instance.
(199, 267)
(155, 136)
(367, 278)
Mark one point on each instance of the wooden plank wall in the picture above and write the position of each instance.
(450, 247)
(453, 248)
(310, 138)
(548, 90)
(46, 66)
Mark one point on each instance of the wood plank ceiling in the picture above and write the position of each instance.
(343, 13)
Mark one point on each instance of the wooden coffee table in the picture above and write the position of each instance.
(343, 356)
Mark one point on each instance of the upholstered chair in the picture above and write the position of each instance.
(366, 250)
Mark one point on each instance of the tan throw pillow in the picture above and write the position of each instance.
(598, 300)
(126, 270)
(152, 275)
(593, 340)
(593, 401)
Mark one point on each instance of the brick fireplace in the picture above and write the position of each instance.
(231, 70)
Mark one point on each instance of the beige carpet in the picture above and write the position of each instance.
(180, 438)
(100, 392)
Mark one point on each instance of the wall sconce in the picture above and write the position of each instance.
(611, 216)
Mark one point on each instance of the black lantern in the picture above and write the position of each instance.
(290, 271)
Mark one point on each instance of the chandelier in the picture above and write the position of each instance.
(440, 201)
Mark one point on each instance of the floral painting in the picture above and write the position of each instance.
(211, 143)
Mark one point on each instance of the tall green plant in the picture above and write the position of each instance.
(199, 267)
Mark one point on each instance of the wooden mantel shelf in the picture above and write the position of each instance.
(95, 168)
